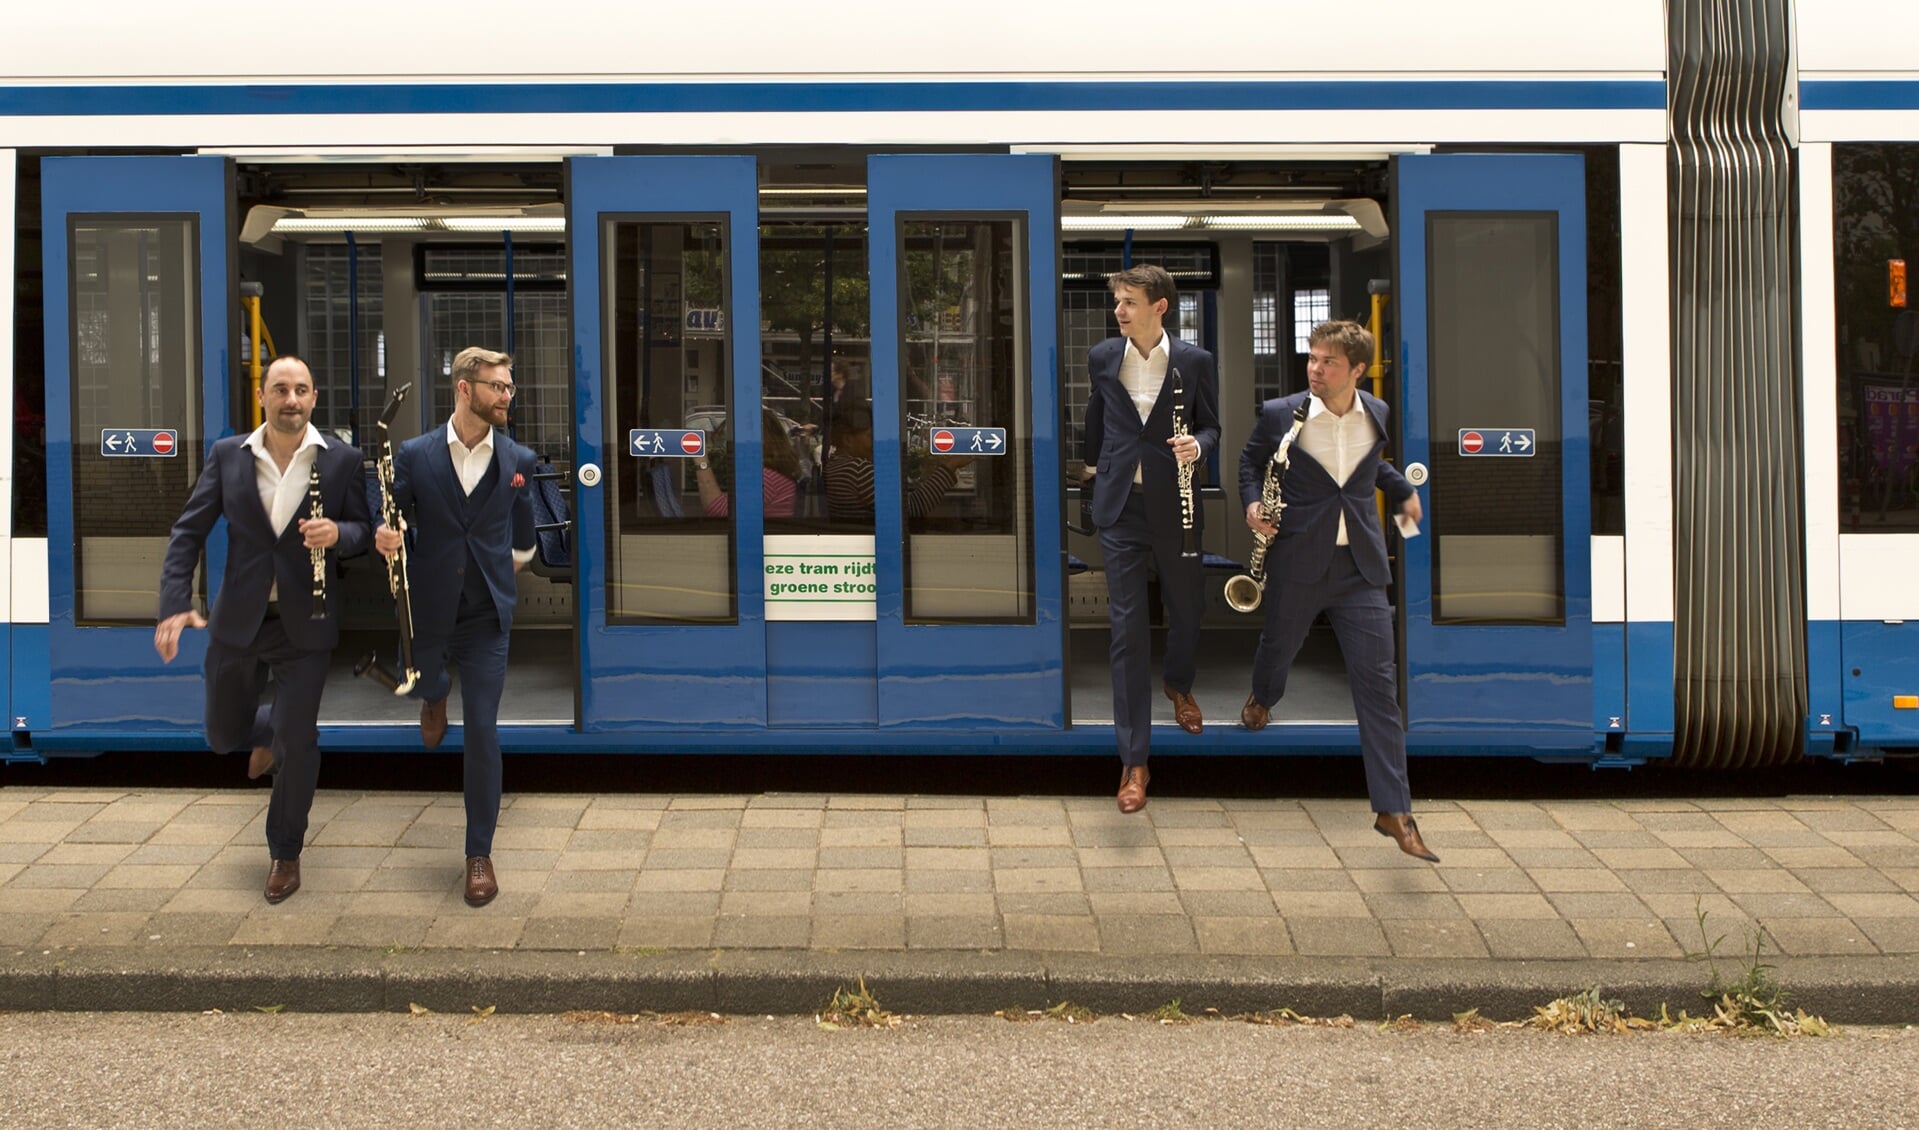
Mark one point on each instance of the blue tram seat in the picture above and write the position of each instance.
(1219, 561)
(552, 525)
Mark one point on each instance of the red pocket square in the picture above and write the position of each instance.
(519, 480)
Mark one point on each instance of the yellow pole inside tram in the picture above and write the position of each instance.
(1375, 322)
(254, 328)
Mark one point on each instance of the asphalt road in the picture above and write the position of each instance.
(387, 1070)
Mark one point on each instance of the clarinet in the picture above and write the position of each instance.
(1243, 592)
(1189, 547)
(314, 512)
(370, 665)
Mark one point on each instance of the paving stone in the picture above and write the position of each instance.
(861, 857)
(61, 876)
(1433, 939)
(569, 933)
(1891, 935)
(1191, 858)
(1025, 858)
(123, 899)
(687, 839)
(857, 903)
(966, 904)
(159, 876)
(599, 818)
(1755, 881)
(1065, 905)
(70, 853)
(1817, 937)
(1619, 838)
(151, 853)
(1228, 904)
(949, 837)
(1481, 907)
(215, 900)
(1620, 859)
(793, 879)
(1530, 938)
(283, 930)
(1321, 905)
(953, 931)
(566, 880)
(694, 879)
(1580, 905)
(804, 838)
(392, 932)
(1259, 936)
(1312, 880)
(1423, 906)
(1036, 880)
(1870, 905)
(762, 931)
(1510, 880)
(1574, 880)
(604, 904)
(948, 859)
(1399, 880)
(1051, 933)
(1338, 937)
(1135, 903)
(966, 817)
(1128, 858)
(706, 803)
(1127, 879)
(1537, 838)
(1637, 937)
(1128, 935)
(769, 904)
(673, 904)
(194, 929)
(113, 832)
(1285, 858)
(857, 819)
(1023, 835)
(859, 931)
(855, 879)
(930, 882)
(774, 859)
(666, 932)
(687, 859)
(474, 928)
(807, 818)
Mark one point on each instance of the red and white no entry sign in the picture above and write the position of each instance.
(1471, 442)
(942, 440)
(163, 443)
(692, 442)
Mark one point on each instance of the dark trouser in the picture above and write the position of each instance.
(236, 721)
(1363, 623)
(1129, 547)
(477, 649)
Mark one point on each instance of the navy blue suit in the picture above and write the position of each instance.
(1308, 572)
(460, 574)
(249, 638)
(1138, 528)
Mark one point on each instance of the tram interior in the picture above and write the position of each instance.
(377, 274)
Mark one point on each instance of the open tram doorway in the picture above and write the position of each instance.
(1260, 252)
(378, 274)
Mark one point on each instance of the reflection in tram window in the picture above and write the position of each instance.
(665, 559)
(1875, 222)
(136, 349)
(963, 353)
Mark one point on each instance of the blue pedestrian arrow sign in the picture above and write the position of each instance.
(666, 443)
(141, 443)
(970, 441)
(1511, 443)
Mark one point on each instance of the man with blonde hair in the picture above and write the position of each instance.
(465, 494)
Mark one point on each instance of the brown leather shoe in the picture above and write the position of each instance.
(480, 884)
(283, 878)
(259, 762)
(432, 723)
(1253, 715)
(1403, 830)
(1185, 711)
(1132, 788)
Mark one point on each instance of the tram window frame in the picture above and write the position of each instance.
(696, 524)
(1184, 278)
(1020, 455)
(424, 282)
(189, 436)
(29, 470)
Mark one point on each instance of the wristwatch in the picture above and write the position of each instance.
(703, 465)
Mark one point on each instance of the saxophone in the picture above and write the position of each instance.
(315, 512)
(1189, 546)
(1244, 591)
(370, 665)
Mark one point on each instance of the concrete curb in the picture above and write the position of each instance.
(1876, 990)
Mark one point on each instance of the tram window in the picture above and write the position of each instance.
(135, 308)
(963, 351)
(666, 559)
(1497, 523)
(1874, 223)
(29, 361)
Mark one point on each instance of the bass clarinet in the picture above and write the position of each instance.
(1244, 591)
(370, 665)
(1189, 544)
(315, 512)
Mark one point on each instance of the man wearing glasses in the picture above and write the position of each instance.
(464, 492)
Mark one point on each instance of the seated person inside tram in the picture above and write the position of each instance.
(849, 471)
(779, 473)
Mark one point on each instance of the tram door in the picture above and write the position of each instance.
(1492, 350)
(912, 579)
(138, 277)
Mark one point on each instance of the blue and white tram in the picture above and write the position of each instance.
(1663, 479)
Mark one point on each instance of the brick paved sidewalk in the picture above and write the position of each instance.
(1605, 880)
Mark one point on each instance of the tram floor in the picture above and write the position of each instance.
(539, 682)
(1316, 690)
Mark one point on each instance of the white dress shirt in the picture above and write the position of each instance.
(469, 463)
(1142, 378)
(1337, 443)
(282, 493)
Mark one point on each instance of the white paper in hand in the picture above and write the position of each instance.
(1408, 528)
